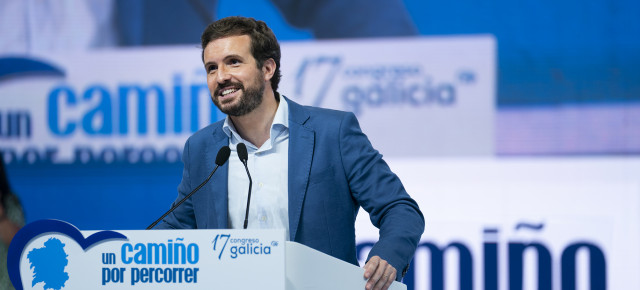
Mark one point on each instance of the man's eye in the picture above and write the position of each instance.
(234, 61)
(211, 68)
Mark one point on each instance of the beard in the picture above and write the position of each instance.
(250, 99)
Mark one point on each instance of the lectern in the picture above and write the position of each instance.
(54, 254)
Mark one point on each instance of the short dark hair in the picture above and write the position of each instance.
(264, 44)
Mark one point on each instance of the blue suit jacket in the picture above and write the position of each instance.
(333, 171)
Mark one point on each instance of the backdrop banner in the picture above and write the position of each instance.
(140, 105)
(556, 223)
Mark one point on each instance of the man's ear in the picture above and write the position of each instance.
(268, 69)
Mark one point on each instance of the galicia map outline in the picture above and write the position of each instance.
(48, 264)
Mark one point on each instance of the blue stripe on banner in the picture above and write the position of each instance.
(19, 66)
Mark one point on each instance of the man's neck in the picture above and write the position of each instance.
(255, 126)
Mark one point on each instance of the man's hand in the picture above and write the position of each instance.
(379, 273)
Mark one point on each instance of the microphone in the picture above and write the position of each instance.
(221, 159)
(243, 155)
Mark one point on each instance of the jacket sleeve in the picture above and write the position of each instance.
(380, 192)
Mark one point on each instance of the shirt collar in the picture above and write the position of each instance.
(279, 127)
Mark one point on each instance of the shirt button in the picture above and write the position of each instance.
(263, 218)
(260, 184)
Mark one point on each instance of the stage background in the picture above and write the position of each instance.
(493, 114)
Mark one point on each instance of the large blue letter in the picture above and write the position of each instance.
(516, 251)
(54, 117)
(597, 267)
(490, 249)
(195, 96)
(437, 266)
(123, 92)
(126, 247)
(103, 108)
(177, 103)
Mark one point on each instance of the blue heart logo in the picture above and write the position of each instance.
(32, 230)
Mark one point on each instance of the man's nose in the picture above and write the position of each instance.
(223, 75)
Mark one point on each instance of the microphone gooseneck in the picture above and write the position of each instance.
(244, 156)
(221, 159)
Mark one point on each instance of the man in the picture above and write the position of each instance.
(313, 167)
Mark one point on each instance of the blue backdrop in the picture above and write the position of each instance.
(550, 54)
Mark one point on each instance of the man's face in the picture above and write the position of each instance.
(235, 82)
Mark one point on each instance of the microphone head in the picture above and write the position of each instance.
(223, 155)
(242, 152)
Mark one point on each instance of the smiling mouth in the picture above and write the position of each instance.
(228, 91)
(227, 88)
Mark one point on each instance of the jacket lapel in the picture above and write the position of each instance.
(301, 147)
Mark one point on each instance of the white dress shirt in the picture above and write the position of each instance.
(268, 166)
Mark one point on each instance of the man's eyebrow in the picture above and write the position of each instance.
(228, 57)
(231, 56)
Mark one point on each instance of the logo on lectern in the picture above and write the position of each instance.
(239, 247)
(48, 264)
